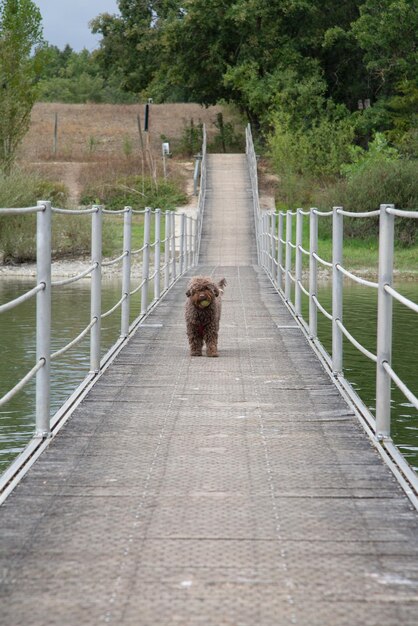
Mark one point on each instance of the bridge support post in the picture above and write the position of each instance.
(173, 245)
(157, 254)
(337, 291)
(313, 273)
(298, 271)
(167, 250)
(96, 288)
(288, 266)
(126, 272)
(280, 253)
(43, 320)
(384, 322)
(272, 242)
(145, 261)
(264, 241)
(182, 240)
(190, 232)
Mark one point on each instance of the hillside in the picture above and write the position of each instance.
(93, 138)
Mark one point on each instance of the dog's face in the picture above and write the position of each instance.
(202, 293)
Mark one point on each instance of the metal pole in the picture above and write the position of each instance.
(182, 237)
(313, 273)
(96, 288)
(337, 291)
(145, 261)
(191, 237)
(273, 228)
(384, 322)
(288, 266)
(56, 134)
(264, 228)
(196, 174)
(43, 320)
(126, 272)
(173, 245)
(167, 251)
(157, 254)
(298, 271)
(280, 253)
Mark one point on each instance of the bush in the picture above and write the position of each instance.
(316, 152)
(136, 192)
(379, 152)
(70, 234)
(372, 184)
(310, 156)
(191, 138)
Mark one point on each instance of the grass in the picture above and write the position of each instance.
(358, 254)
(113, 234)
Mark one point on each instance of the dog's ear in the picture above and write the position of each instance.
(188, 293)
(215, 290)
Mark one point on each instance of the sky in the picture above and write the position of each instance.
(66, 21)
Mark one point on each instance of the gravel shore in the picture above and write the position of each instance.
(64, 269)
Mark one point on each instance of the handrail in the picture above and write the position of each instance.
(168, 250)
(275, 242)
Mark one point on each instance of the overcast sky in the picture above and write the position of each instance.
(66, 21)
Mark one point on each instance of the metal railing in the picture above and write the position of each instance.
(202, 193)
(281, 255)
(161, 260)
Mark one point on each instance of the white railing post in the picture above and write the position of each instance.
(145, 261)
(337, 291)
(43, 320)
(126, 272)
(299, 256)
(173, 246)
(157, 255)
(96, 287)
(191, 237)
(167, 250)
(384, 322)
(182, 240)
(288, 266)
(280, 253)
(264, 237)
(273, 228)
(313, 273)
(196, 241)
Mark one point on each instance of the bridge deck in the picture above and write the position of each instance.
(236, 491)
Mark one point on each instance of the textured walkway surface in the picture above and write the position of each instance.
(237, 491)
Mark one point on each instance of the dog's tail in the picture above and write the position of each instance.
(222, 284)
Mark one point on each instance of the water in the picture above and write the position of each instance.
(71, 312)
(360, 318)
(70, 315)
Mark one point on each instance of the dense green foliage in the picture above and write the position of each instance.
(20, 64)
(76, 77)
(293, 66)
(331, 88)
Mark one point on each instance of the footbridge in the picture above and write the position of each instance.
(249, 489)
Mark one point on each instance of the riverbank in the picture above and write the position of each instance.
(65, 268)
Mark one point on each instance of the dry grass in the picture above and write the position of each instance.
(88, 131)
(101, 141)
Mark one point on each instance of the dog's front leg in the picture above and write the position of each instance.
(212, 345)
(196, 344)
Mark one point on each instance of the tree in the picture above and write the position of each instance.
(387, 33)
(20, 64)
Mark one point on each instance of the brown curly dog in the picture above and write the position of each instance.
(203, 312)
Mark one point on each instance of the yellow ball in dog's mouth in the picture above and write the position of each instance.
(204, 303)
